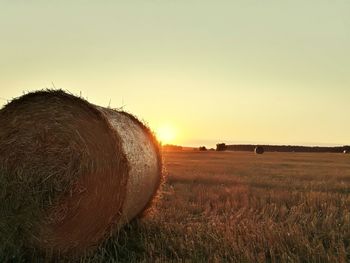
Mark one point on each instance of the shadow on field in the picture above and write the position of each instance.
(139, 242)
(126, 246)
(154, 242)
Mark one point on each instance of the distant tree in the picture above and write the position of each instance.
(221, 147)
(202, 148)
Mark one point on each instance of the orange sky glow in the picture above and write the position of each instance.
(197, 72)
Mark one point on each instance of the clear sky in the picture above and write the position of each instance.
(211, 71)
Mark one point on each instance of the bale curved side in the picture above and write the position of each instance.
(143, 154)
(64, 173)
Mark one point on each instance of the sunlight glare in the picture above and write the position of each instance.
(166, 134)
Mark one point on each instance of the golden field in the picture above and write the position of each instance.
(239, 207)
(242, 207)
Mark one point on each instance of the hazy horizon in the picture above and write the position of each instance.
(200, 72)
(212, 143)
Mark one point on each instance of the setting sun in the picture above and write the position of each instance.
(166, 134)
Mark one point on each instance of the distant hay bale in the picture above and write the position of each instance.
(345, 151)
(259, 150)
(71, 173)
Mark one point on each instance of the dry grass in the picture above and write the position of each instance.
(240, 207)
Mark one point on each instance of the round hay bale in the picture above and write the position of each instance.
(71, 173)
(345, 151)
(259, 150)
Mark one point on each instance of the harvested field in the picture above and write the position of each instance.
(242, 207)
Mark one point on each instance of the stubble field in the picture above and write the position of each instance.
(241, 207)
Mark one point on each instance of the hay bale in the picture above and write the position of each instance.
(345, 151)
(259, 150)
(71, 172)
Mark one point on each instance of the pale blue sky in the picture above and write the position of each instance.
(232, 71)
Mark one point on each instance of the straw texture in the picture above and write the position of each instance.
(71, 172)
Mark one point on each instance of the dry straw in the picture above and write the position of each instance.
(71, 172)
